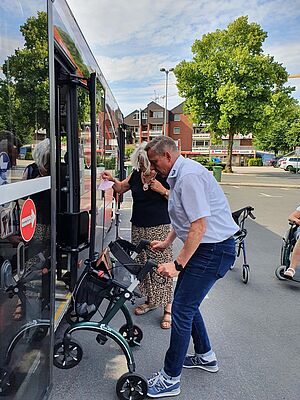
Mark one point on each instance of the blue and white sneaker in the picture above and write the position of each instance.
(196, 361)
(159, 386)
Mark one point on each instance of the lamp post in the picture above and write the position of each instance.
(166, 71)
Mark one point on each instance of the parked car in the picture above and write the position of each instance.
(289, 163)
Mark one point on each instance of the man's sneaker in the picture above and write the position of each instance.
(194, 361)
(159, 386)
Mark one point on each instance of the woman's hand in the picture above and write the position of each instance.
(158, 245)
(156, 186)
(107, 176)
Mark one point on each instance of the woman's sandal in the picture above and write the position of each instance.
(166, 321)
(289, 273)
(144, 308)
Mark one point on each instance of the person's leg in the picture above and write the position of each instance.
(290, 272)
(194, 282)
(188, 296)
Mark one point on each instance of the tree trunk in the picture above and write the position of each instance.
(228, 167)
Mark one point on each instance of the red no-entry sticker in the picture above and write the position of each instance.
(28, 220)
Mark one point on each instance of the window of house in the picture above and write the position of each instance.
(158, 114)
(156, 127)
(176, 117)
(200, 143)
(144, 115)
(136, 116)
(176, 130)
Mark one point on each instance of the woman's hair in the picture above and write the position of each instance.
(139, 157)
(41, 156)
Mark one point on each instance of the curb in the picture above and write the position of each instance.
(254, 184)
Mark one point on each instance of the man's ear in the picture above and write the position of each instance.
(168, 155)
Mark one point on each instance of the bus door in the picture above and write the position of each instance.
(27, 259)
(76, 169)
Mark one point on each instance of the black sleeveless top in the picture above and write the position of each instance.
(149, 207)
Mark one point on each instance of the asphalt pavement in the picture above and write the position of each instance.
(254, 328)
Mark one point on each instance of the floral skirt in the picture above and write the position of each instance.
(157, 288)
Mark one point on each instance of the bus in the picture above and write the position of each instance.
(52, 217)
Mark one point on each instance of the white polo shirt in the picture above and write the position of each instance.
(196, 194)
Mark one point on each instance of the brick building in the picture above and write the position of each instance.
(192, 140)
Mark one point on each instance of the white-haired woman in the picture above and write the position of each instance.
(150, 220)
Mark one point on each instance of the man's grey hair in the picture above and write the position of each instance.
(161, 144)
(41, 156)
(139, 157)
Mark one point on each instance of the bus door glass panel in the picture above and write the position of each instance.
(25, 314)
(84, 140)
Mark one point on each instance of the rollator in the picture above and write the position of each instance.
(240, 217)
(96, 284)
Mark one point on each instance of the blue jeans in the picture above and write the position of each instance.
(210, 262)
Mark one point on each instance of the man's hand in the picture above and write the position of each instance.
(158, 245)
(156, 186)
(167, 269)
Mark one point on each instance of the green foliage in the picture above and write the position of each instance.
(110, 163)
(28, 155)
(129, 149)
(279, 120)
(201, 159)
(255, 162)
(24, 90)
(230, 82)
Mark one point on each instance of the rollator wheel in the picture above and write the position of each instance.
(132, 387)
(66, 358)
(246, 273)
(279, 272)
(133, 339)
(7, 381)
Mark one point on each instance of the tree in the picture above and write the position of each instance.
(293, 131)
(229, 82)
(276, 121)
(24, 93)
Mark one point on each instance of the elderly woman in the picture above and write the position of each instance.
(150, 220)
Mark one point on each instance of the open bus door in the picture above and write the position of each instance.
(27, 206)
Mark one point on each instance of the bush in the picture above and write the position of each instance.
(129, 149)
(28, 155)
(110, 163)
(201, 159)
(255, 162)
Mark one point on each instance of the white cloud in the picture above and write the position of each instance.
(287, 54)
(155, 33)
(166, 22)
(134, 68)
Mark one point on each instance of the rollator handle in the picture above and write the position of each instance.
(142, 245)
(150, 264)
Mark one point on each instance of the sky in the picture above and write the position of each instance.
(133, 39)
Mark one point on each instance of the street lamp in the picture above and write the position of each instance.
(166, 71)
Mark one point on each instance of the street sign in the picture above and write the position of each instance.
(28, 220)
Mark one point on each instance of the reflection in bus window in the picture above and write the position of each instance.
(24, 92)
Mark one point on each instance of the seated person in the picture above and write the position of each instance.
(290, 272)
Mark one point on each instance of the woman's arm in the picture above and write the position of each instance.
(119, 186)
(295, 217)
